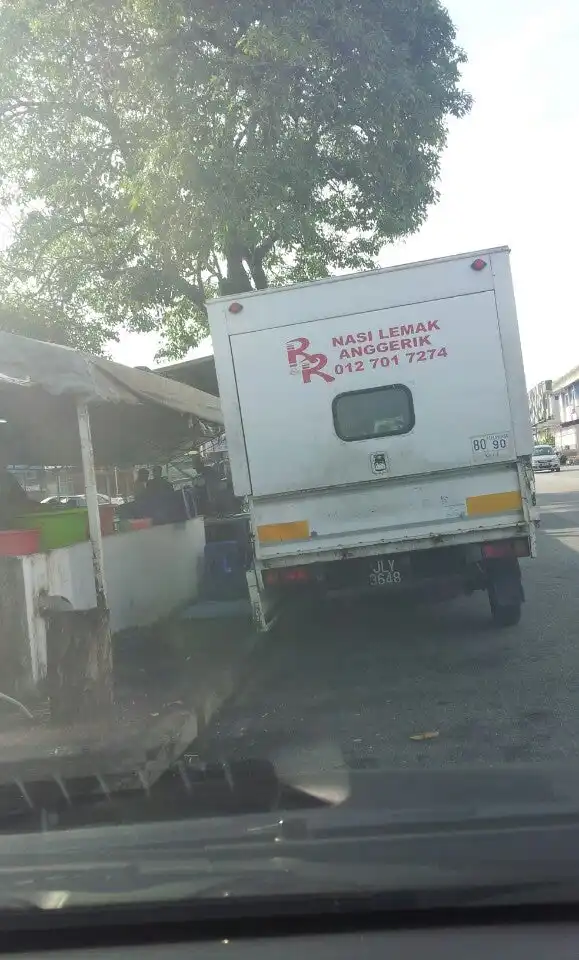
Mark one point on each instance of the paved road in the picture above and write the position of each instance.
(368, 679)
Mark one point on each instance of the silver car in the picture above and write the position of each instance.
(546, 458)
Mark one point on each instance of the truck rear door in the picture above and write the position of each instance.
(377, 426)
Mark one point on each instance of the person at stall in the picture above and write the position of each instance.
(141, 483)
(158, 484)
(155, 500)
(137, 507)
(165, 505)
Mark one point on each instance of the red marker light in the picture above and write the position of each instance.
(478, 264)
(296, 574)
(235, 308)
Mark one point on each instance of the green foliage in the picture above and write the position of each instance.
(160, 151)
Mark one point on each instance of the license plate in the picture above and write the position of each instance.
(384, 573)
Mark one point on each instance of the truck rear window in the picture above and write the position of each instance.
(378, 412)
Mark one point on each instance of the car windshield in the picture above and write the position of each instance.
(289, 450)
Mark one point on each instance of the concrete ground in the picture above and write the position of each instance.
(377, 684)
(168, 682)
(370, 677)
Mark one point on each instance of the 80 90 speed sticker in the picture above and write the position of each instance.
(490, 446)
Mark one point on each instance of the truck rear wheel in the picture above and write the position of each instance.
(505, 616)
(505, 591)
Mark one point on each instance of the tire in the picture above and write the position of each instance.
(507, 616)
(558, 470)
(505, 592)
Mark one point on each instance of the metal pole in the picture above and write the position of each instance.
(94, 520)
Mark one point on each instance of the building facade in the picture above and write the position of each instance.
(566, 397)
(543, 410)
(554, 410)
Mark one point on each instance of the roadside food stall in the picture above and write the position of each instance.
(58, 405)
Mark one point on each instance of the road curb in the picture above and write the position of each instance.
(167, 739)
(102, 759)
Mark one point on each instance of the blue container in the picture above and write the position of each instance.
(224, 574)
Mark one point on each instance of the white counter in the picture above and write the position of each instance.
(149, 574)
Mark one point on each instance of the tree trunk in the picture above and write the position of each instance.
(256, 258)
(258, 274)
(245, 266)
(237, 279)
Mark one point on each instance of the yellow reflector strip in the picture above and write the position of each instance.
(279, 532)
(494, 503)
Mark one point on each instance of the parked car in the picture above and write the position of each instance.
(545, 458)
(77, 500)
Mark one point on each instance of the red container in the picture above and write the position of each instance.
(141, 524)
(19, 543)
(107, 513)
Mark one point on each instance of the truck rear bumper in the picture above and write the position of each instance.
(434, 573)
(461, 565)
(406, 545)
(439, 573)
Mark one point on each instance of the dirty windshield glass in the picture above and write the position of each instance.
(289, 448)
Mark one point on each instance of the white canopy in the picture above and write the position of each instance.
(41, 383)
(61, 370)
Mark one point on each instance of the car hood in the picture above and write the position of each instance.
(355, 800)
(389, 830)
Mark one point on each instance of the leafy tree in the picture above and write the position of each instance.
(160, 151)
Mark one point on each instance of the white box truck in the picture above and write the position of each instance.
(378, 428)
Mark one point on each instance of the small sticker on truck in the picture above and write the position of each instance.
(490, 446)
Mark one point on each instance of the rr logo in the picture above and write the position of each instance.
(304, 363)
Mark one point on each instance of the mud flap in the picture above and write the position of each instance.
(263, 603)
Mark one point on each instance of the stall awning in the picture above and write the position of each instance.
(61, 370)
(136, 416)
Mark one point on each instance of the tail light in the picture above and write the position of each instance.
(506, 548)
(286, 575)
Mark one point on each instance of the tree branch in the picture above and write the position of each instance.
(266, 246)
(189, 290)
(107, 120)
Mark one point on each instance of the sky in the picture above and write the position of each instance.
(508, 173)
